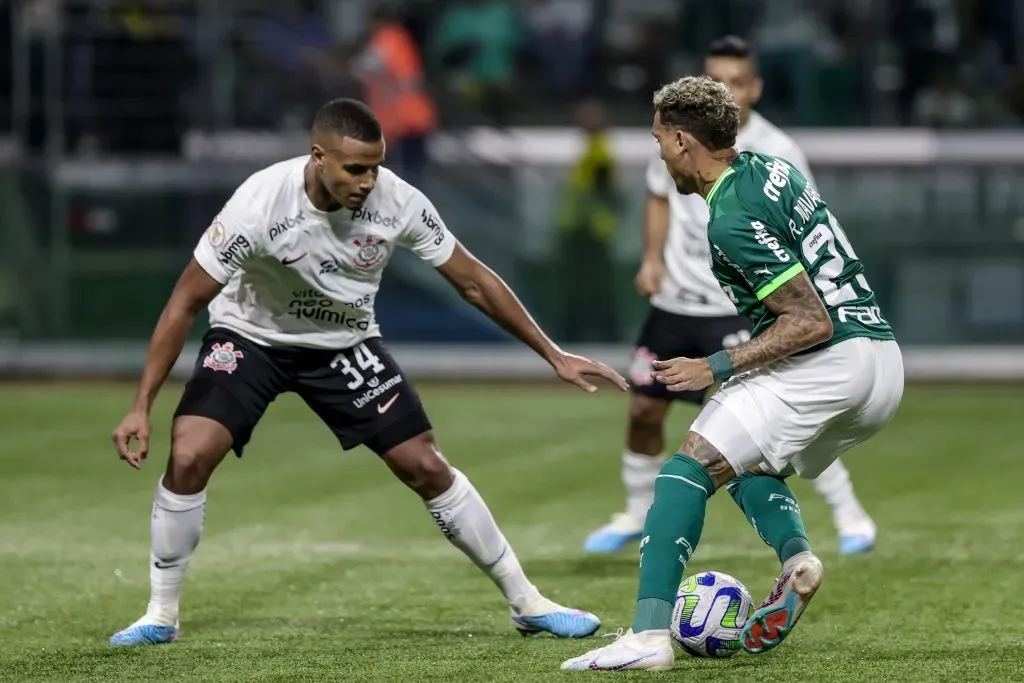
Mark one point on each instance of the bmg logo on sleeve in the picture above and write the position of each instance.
(231, 256)
(434, 225)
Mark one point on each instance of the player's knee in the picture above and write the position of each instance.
(647, 414)
(646, 417)
(195, 454)
(419, 465)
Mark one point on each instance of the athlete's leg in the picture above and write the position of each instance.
(855, 527)
(217, 412)
(664, 335)
(460, 513)
(198, 445)
(671, 534)
(716, 450)
(643, 457)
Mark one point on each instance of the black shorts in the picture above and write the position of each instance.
(360, 393)
(668, 335)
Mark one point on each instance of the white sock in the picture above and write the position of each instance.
(836, 488)
(638, 474)
(175, 530)
(462, 516)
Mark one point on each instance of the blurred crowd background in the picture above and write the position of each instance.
(103, 104)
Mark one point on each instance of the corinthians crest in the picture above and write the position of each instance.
(222, 358)
(371, 252)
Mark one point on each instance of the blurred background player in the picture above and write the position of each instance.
(691, 316)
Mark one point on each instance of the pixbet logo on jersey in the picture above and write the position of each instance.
(281, 227)
(375, 217)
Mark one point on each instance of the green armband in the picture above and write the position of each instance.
(720, 365)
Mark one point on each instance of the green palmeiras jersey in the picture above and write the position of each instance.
(768, 225)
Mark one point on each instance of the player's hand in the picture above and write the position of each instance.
(683, 374)
(573, 369)
(135, 425)
(648, 279)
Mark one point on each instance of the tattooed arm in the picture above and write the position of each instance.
(801, 322)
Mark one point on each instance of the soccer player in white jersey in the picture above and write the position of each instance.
(691, 316)
(289, 269)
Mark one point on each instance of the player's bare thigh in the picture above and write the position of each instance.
(198, 445)
(710, 458)
(419, 464)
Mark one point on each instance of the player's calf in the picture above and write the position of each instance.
(641, 463)
(771, 508)
(198, 446)
(419, 465)
(461, 515)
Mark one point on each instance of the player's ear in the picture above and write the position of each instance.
(755, 93)
(317, 152)
(682, 140)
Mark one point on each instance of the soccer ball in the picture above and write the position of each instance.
(711, 610)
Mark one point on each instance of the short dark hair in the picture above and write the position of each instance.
(702, 107)
(731, 46)
(348, 118)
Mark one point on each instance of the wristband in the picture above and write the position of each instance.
(720, 365)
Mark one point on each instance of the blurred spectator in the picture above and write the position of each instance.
(927, 33)
(587, 223)
(476, 42)
(298, 64)
(791, 40)
(561, 37)
(945, 104)
(391, 72)
(139, 110)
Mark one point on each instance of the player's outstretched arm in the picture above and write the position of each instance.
(801, 322)
(193, 292)
(481, 286)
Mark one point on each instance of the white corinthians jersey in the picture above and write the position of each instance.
(297, 276)
(689, 288)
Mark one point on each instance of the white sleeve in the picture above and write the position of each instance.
(425, 234)
(659, 182)
(233, 237)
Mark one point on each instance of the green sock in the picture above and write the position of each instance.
(671, 534)
(771, 508)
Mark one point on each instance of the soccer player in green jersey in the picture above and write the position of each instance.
(821, 373)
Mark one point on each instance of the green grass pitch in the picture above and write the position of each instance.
(317, 565)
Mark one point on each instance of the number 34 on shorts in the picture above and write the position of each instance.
(360, 364)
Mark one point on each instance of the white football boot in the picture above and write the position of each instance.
(648, 650)
(775, 618)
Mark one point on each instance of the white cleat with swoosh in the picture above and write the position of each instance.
(648, 650)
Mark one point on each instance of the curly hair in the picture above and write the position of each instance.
(702, 107)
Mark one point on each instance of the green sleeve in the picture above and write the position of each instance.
(757, 251)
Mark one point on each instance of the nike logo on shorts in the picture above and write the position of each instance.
(289, 261)
(384, 407)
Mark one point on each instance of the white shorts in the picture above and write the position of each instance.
(799, 414)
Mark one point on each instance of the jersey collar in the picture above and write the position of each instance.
(714, 188)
